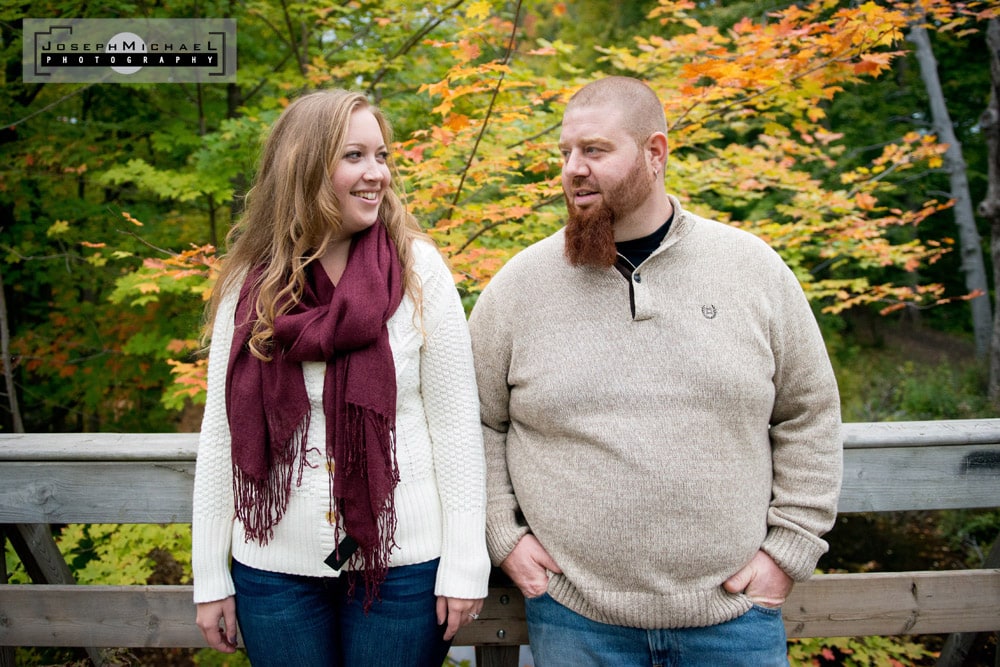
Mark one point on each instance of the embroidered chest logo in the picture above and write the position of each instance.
(709, 312)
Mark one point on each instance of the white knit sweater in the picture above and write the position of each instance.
(654, 454)
(441, 497)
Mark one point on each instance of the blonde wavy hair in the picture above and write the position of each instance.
(291, 212)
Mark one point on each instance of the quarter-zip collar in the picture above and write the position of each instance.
(667, 235)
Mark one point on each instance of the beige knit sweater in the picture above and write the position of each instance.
(653, 455)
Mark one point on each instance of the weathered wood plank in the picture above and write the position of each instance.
(163, 617)
(826, 606)
(497, 656)
(159, 491)
(182, 446)
(96, 492)
(106, 616)
(910, 433)
(958, 645)
(894, 603)
(929, 477)
(98, 446)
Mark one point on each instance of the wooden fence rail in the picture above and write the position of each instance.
(147, 478)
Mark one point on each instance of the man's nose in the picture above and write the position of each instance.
(574, 165)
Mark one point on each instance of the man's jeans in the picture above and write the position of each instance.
(292, 621)
(562, 638)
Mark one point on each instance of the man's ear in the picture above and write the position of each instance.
(657, 150)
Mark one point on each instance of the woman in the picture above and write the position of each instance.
(340, 463)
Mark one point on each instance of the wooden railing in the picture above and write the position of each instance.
(142, 478)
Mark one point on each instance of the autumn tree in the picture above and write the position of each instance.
(115, 198)
(990, 206)
(111, 195)
(748, 143)
(971, 249)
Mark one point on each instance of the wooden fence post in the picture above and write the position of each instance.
(957, 646)
(6, 652)
(44, 563)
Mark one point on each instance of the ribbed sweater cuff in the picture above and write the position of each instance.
(211, 538)
(464, 570)
(794, 553)
(503, 533)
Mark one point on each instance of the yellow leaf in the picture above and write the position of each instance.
(58, 227)
(97, 259)
(478, 11)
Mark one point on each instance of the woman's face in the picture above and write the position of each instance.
(361, 175)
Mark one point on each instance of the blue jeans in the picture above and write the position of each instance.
(293, 621)
(562, 638)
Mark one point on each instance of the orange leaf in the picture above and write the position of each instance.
(457, 121)
(865, 201)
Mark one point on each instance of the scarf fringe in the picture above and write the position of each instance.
(376, 562)
(365, 427)
(260, 503)
(359, 420)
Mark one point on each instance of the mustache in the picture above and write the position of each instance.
(579, 182)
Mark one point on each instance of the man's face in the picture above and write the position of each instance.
(605, 179)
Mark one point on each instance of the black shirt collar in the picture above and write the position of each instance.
(637, 250)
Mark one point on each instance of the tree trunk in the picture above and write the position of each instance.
(970, 242)
(8, 367)
(989, 208)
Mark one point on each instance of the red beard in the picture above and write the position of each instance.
(590, 237)
(590, 233)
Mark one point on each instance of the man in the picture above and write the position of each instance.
(662, 422)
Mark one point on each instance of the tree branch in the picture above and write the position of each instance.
(489, 110)
(413, 41)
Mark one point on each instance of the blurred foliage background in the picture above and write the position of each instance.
(806, 123)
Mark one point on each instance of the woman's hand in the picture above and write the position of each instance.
(217, 622)
(456, 612)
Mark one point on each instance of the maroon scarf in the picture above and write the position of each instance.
(268, 406)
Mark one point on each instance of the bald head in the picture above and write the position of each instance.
(640, 109)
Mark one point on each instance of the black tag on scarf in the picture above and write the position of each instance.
(347, 547)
